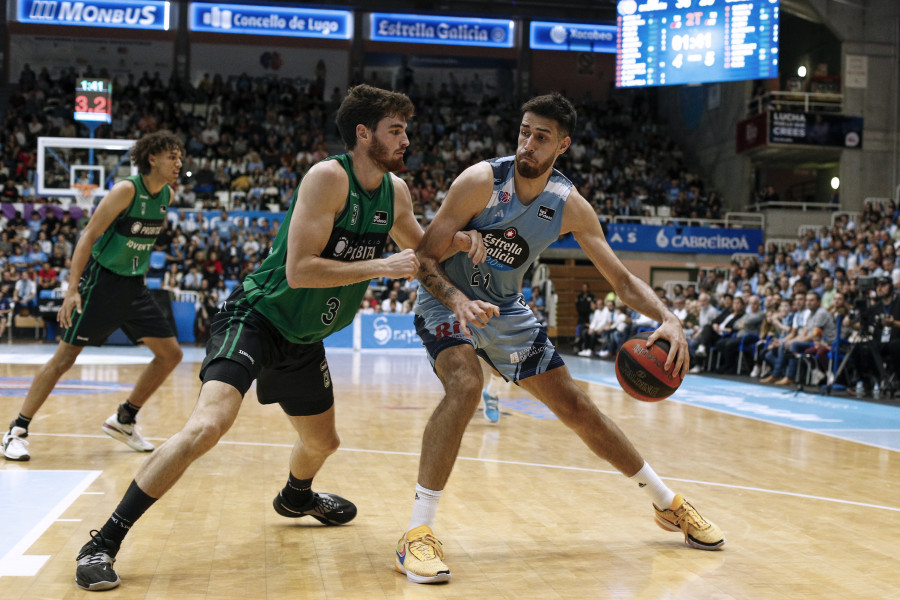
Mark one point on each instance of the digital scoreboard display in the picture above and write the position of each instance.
(672, 42)
(93, 100)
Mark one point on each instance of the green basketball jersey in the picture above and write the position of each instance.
(307, 315)
(124, 248)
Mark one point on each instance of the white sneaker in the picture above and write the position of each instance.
(701, 351)
(696, 369)
(585, 352)
(817, 376)
(14, 445)
(765, 371)
(603, 353)
(127, 434)
(755, 372)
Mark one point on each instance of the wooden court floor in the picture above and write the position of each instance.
(528, 512)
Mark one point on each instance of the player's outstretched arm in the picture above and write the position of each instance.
(321, 197)
(110, 207)
(408, 233)
(466, 198)
(580, 219)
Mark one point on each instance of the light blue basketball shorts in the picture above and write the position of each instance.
(514, 343)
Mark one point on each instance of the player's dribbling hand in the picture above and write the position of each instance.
(475, 312)
(471, 242)
(72, 302)
(402, 265)
(678, 362)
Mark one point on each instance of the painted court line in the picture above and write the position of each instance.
(562, 467)
(15, 562)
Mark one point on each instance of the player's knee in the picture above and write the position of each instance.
(324, 444)
(171, 356)
(205, 434)
(464, 385)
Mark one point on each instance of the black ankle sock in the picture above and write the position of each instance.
(297, 492)
(134, 504)
(127, 412)
(21, 421)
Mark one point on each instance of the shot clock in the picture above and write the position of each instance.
(93, 100)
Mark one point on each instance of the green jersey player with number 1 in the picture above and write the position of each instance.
(271, 328)
(107, 291)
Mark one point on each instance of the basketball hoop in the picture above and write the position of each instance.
(84, 196)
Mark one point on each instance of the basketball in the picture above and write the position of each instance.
(641, 370)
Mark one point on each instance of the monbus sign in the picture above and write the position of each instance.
(146, 14)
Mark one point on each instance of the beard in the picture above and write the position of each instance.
(378, 154)
(530, 171)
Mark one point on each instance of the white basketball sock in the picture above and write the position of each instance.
(425, 507)
(648, 479)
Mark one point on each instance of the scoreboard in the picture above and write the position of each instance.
(93, 100)
(671, 42)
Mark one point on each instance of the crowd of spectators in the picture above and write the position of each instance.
(255, 137)
(774, 315)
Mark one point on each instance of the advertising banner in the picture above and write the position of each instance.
(673, 238)
(815, 129)
(447, 31)
(271, 20)
(146, 14)
(388, 331)
(751, 133)
(583, 37)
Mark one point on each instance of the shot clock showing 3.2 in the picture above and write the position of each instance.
(669, 42)
(93, 100)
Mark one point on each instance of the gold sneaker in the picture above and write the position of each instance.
(698, 532)
(420, 556)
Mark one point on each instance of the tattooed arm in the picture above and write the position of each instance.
(466, 198)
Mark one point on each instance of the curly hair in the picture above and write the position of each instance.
(367, 105)
(154, 143)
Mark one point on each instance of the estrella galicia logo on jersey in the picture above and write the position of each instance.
(504, 197)
(506, 249)
(380, 218)
(545, 213)
(355, 216)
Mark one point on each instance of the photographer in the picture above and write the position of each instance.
(878, 343)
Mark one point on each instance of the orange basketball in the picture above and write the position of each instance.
(641, 370)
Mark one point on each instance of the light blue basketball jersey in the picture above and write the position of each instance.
(513, 233)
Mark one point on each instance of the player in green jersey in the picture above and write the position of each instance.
(271, 328)
(107, 291)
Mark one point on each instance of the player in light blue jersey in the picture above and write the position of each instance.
(521, 204)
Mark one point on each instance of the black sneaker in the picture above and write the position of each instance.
(328, 509)
(95, 561)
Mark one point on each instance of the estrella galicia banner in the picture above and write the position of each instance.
(271, 20)
(584, 37)
(388, 331)
(673, 238)
(145, 14)
(447, 31)
(815, 129)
